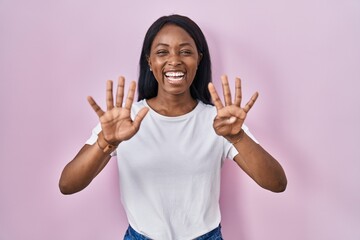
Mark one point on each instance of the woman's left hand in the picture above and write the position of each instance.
(230, 118)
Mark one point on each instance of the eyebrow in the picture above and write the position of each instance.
(181, 44)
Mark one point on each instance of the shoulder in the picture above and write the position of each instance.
(206, 108)
(136, 106)
(205, 112)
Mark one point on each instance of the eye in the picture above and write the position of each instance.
(161, 52)
(186, 52)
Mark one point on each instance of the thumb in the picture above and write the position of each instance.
(232, 120)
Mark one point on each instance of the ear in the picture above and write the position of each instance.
(149, 62)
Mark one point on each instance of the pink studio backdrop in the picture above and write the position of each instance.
(302, 56)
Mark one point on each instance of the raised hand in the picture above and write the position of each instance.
(116, 122)
(230, 118)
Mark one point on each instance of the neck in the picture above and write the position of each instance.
(172, 106)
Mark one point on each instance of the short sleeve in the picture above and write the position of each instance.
(231, 150)
(94, 136)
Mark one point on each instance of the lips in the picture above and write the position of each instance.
(175, 76)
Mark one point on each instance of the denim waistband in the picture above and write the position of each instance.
(131, 234)
(214, 234)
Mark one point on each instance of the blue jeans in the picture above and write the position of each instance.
(215, 234)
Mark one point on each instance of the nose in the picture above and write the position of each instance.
(174, 60)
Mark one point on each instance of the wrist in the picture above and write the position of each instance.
(233, 139)
(104, 145)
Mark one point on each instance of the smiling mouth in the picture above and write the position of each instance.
(175, 77)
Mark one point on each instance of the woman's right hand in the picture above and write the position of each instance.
(116, 122)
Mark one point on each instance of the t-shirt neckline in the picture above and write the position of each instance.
(181, 117)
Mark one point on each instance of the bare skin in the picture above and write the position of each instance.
(173, 51)
(117, 126)
(252, 158)
(173, 60)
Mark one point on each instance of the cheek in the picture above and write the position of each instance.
(194, 68)
(155, 65)
(154, 60)
(157, 71)
(157, 68)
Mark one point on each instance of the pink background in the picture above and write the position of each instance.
(302, 56)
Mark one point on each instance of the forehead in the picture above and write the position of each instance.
(172, 34)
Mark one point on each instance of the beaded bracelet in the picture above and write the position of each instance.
(108, 148)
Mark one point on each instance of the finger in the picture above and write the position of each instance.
(238, 92)
(95, 106)
(215, 97)
(220, 125)
(130, 96)
(229, 112)
(109, 95)
(251, 102)
(120, 92)
(221, 121)
(232, 119)
(226, 90)
(140, 116)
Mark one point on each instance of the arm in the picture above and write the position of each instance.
(252, 158)
(117, 126)
(86, 165)
(263, 168)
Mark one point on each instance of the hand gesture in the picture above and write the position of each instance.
(116, 122)
(230, 118)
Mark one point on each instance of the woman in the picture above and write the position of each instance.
(171, 144)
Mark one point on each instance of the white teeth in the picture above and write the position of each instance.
(175, 77)
(174, 74)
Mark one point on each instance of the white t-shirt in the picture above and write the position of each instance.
(169, 173)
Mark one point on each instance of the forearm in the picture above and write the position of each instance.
(259, 164)
(78, 173)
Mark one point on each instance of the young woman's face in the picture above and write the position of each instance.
(173, 59)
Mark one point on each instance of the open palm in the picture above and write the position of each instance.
(116, 122)
(231, 116)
